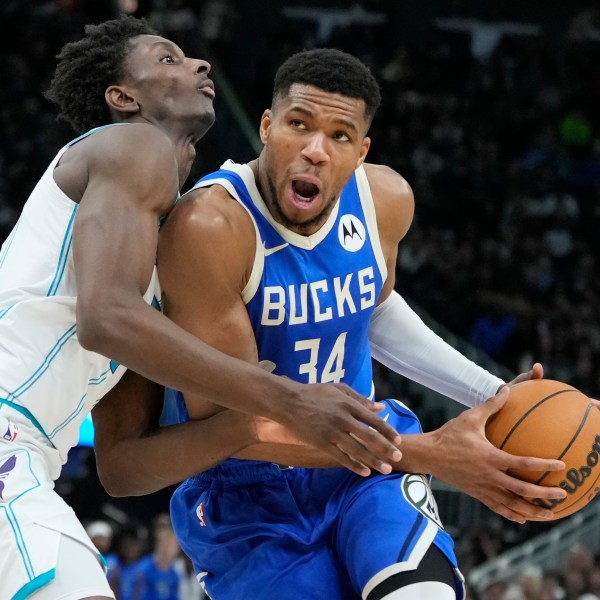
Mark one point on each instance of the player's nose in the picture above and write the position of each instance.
(203, 66)
(315, 149)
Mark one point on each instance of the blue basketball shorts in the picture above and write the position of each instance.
(258, 531)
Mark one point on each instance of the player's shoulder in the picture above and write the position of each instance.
(131, 144)
(390, 190)
(209, 213)
(387, 182)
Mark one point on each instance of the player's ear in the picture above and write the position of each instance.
(265, 125)
(364, 148)
(120, 101)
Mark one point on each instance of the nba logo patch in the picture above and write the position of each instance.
(11, 433)
(200, 514)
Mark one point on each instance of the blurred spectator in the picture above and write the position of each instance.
(129, 547)
(101, 534)
(157, 576)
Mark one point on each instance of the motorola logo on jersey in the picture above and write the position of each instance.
(351, 233)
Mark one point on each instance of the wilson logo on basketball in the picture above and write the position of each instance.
(575, 478)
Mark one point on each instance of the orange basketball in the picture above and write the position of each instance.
(550, 419)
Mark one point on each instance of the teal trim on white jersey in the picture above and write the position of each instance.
(45, 363)
(64, 253)
(46, 376)
(26, 414)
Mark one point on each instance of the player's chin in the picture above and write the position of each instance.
(204, 111)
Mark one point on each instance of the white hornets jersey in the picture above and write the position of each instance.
(45, 374)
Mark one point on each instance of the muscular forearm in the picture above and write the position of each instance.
(143, 465)
(287, 454)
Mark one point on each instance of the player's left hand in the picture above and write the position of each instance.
(463, 457)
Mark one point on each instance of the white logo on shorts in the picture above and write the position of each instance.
(416, 490)
(351, 233)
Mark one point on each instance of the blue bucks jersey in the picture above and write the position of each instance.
(310, 301)
(311, 298)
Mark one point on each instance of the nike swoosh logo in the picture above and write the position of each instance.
(269, 251)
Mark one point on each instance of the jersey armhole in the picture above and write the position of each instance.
(368, 206)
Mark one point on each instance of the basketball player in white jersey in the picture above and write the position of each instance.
(79, 298)
(300, 248)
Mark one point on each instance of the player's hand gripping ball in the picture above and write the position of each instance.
(550, 419)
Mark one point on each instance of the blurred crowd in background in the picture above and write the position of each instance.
(490, 111)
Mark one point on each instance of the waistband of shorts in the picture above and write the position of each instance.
(234, 472)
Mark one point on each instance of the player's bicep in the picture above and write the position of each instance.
(202, 262)
(115, 230)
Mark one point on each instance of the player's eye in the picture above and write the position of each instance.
(168, 59)
(297, 123)
(341, 136)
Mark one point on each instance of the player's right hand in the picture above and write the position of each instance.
(343, 424)
(464, 458)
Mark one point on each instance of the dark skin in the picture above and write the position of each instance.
(132, 175)
(307, 137)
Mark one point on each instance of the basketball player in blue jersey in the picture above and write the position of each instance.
(289, 262)
(78, 299)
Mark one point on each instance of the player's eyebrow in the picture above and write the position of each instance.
(167, 45)
(309, 113)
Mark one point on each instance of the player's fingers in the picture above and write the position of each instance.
(494, 404)
(532, 463)
(363, 416)
(373, 437)
(526, 511)
(354, 446)
(500, 506)
(345, 460)
(536, 372)
(363, 410)
(374, 461)
(514, 508)
(369, 435)
(525, 489)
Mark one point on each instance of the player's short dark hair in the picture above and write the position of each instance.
(332, 71)
(88, 66)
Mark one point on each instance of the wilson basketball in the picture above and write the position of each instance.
(550, 419)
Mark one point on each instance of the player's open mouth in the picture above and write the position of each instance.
(305, 191)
